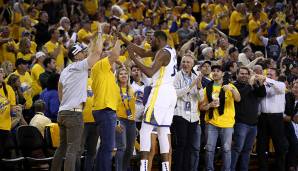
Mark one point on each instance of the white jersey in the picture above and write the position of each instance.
(168, 72)
(160, 106)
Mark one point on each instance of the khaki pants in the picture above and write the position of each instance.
(71, 129)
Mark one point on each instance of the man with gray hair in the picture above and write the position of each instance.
(207, 53)
(186, 121)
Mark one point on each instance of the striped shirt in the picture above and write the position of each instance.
(186, 95)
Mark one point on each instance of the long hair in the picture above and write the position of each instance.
(118, 81)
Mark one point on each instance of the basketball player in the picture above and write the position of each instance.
(159, 109)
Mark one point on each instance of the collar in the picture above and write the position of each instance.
(39, 113)
(184, 73)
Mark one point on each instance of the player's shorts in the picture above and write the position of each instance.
(159, 109)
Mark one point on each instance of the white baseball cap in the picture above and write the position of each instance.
(39, 55)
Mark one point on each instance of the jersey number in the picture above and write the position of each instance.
(174, 71)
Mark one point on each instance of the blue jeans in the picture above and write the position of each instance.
(106, 124)
(125, 144)
(90, 138)
(225, 135)
(243, 138)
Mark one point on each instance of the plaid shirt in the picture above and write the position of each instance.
(184, 94)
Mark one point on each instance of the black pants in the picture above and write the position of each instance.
(271, 126)
(4, 135)
(293, 145)
(186, 136)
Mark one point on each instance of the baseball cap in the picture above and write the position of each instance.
(206, 62)
(39, 55)
(75, 49)
(114, 18)
(20, 61)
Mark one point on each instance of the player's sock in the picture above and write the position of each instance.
(144, 165)
(165, 166)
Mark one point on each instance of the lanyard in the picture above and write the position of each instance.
(187, 80)
(122, 99)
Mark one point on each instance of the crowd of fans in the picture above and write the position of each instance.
(236, 76)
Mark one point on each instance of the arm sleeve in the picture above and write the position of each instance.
(82, 65)
(264, 40)
(180, 91)
(260, 91)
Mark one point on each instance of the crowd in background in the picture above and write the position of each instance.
(236, 80)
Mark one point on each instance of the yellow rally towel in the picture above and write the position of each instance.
(55, 134)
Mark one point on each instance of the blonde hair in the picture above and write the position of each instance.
(23, 44)
(5, 65)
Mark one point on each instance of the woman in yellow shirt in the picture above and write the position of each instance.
(7, 100)
(24, 49)
(126, 125)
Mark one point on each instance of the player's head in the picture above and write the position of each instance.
(158, 40)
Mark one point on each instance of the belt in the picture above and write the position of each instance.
(278, 114)
(76, 110)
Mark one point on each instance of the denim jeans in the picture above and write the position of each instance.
(106, 124)
(90, 138)
(243, 138)
(125, 144)
(71, 130)
(225, 134)
(187, 138)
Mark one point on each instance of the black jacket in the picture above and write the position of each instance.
(247, 108)
(290, 109)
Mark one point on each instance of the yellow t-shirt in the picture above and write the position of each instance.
(128, 105)
(292, 39)
(94, 26)
(26, 57)
(9, 56)
(203, 25)
(5, 107)
(170, 38)
(191, 18)
(148, 60)
(252, 34)
(82, 34)
(226, 120)
(235, 25)
(224, 21)
(136, 12)
(90, 6)
(219, 53)
(26, 88)
(106, 91)
(50, 47)
(36, 70)
(33, 46)
(87, 113)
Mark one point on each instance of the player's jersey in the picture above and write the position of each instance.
(166, 74)
(160, 106)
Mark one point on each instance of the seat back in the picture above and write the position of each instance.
(29, 138)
